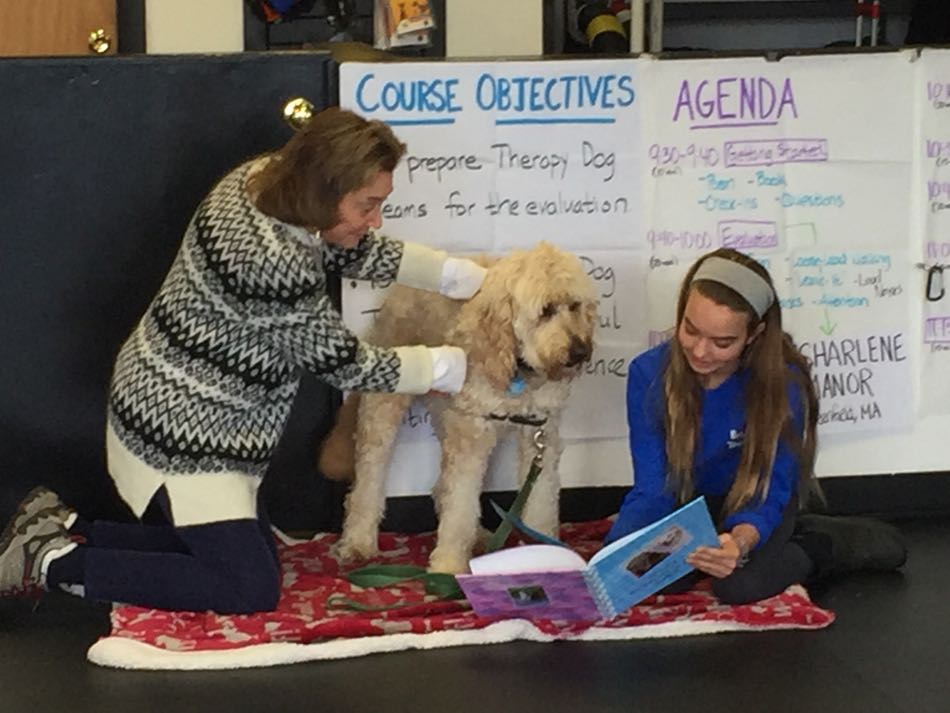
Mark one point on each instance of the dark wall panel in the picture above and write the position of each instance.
(102, 162)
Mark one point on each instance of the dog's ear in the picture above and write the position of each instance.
(486, 332)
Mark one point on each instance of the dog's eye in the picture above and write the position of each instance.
(549, 310)
(574, 306)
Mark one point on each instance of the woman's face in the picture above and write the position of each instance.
(359, 211)
(712, 337)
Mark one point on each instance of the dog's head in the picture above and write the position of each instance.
(536, 310)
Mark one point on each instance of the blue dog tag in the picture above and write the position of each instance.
(516, 387)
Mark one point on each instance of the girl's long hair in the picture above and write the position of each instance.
(772, 361)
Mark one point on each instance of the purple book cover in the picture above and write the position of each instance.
(560, 595)
(564, 587)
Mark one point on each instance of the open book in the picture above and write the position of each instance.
(551, 582)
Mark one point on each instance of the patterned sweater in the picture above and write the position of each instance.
(202, 388)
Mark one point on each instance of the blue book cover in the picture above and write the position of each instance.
(637, 565)
(551, 582)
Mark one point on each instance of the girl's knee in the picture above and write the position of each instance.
(738, 589)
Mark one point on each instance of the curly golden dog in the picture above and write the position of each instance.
(527, 333)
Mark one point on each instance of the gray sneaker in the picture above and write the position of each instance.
(41, 499)
(22, 549)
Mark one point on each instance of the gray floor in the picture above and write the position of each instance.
(886, 652)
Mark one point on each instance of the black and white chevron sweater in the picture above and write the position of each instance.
(202, 388)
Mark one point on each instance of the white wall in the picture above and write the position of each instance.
(493, 28)
(185, 26)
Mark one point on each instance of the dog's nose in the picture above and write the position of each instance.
(578, 352)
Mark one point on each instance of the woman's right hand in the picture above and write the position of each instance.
(449, 366)
(461, 278)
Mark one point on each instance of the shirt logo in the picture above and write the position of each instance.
(736, 438)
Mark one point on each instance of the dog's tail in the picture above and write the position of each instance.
(337, 459)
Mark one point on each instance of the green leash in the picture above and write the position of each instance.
(439, 584)
(500, 535)
(444, 586)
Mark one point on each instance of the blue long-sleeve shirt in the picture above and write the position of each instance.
(716, 461)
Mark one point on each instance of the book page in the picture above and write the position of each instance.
(643, 562)
(528, 558)
(655, 528)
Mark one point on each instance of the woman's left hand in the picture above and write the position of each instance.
(461, 278)
(718, 562)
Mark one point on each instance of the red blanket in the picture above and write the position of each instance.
(309, 625)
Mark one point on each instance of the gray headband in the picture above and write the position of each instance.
(745, 281)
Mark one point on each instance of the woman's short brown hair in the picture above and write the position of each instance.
(335, 153)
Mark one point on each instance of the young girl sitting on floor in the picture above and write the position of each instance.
(727, 409)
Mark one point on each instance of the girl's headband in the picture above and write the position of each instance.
(749, 284)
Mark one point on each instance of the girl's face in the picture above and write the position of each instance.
(713, 337)
(359, 211)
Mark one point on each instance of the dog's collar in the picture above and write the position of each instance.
(520, 419)
(518, 383)
(515, 388)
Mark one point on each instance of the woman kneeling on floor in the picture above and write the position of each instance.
(202, 389)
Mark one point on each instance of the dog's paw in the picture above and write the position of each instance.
(350, 549)
(445, 562)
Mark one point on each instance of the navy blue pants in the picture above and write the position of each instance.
(229, 567)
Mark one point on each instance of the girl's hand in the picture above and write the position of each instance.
(718, 562)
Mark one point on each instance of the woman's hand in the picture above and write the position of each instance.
(449, 365)
(461, 278)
